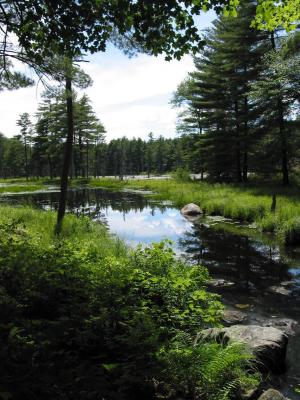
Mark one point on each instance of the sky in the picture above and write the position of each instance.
(131, 96)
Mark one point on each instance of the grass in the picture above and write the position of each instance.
(243, 203)
(81, 315)
(251, 204)
(21, 188)
(87, 235)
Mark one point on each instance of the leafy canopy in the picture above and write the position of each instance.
(70, 27)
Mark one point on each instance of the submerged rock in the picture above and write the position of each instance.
(268, 344)
(233, 317)
(220, 283)
(191, 210)
(272, 394)
(281, 290)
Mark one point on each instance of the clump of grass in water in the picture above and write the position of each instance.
(242, 203)
(20, 188)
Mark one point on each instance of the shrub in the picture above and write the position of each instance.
(182, 175)
(207, 371)
(85, 320)
(76, 325)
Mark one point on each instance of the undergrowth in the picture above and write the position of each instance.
(83, 317)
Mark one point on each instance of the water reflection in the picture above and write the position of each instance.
(250, 263)
(262, 276)
(241, 259)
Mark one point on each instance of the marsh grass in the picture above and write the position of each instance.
(13, 188)
(242, 203)
(90, 237)
(250, 204)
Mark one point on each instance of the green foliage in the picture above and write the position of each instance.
(182, 175)
(20, 188)
(271, 15)
(248, 204)
(81, 316)
(10, 79)
(207, 371)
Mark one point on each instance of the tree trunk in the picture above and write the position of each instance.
(283, 145)
(245, 155)
(87, 159)
(67, 157)
(26, 159)
(237, 145)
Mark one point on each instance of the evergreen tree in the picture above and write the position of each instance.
(26, 131)
(277, 90)
(219, 113)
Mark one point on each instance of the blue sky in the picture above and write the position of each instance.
(130, 95)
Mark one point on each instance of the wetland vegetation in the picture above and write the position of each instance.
(95, 300)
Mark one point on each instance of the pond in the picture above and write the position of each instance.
(252, 272)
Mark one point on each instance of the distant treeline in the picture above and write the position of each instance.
(239, 116)
(42, 155)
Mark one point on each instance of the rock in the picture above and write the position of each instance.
(191, 209)
(249, 394)
(242, 306)
(232, 317)
(271, 394)
(268, 344)
(285, 325)
(220, 283)
(281, 290)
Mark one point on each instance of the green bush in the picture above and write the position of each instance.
(182, 175)
(207, 371)
(82, 318)
(75, 324)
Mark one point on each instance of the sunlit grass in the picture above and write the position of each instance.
(247, 204)
(21, 188)
(243, 203)
(90, 236)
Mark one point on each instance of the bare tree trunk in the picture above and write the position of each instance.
(26, 158)
(237, 145)
(87, 159)
(283, 145)
(245, 155)
(67, 157)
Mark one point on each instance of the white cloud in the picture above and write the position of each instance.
(130, 96)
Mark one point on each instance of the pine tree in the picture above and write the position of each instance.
(26, 130)
(277, 90)
(218, 109)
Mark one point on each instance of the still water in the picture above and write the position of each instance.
(251, 272)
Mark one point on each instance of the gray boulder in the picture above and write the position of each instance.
(268, 344)
(232, 317)
(271, 394)
(191, 210)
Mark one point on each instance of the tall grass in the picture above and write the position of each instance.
(246, 204)
(90, 237)
(250, 204)
(20, 188)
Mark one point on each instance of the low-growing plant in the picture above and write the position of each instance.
(207, 370)
(83, 320)
(182, 174)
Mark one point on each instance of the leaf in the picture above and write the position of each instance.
(110, 367)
